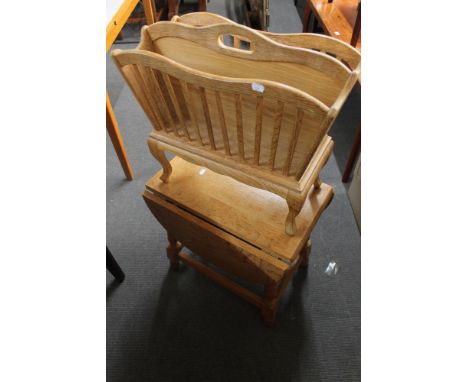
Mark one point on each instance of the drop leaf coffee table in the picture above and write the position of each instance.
(235, 227)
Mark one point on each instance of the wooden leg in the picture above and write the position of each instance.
(305, 253)
(307, 13)
(352, 156)
(173, 6)
(357, 27)
(161, 157)
(116, 138)
(270, 303)
(172, 251)
(113, 267)
(201, 5)
(294, 207)
(150, 12)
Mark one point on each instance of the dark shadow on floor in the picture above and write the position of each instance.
(191, 337)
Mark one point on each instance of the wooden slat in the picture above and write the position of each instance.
(159, 99)
(276, 133)
(293, 141)
(222, 122)
(258, 128)
(240, 132)
(163, 100)
(148, 78)
(206, 112)
(240, 86)
(189, 102)
(175, 102)
(236, 42)
(140, 89)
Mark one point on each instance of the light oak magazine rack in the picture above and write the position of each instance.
(258, 111)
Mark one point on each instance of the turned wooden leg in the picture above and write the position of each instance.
(161, 157)
(307, 13)
(172, 251)
(305, 253)
(270, 303)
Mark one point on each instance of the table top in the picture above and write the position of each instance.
(253, 215)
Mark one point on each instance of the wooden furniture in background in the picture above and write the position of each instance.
(118, 12)
(337, 18)
(342, 20)
(257, 14)
(260, 116)
(357, 27)
(234, 227)
(355, 148)
(153, 7)
(173, 7)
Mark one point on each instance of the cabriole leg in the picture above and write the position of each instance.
(294, 206)
(161, 157)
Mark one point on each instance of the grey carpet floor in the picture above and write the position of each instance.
(166, 326)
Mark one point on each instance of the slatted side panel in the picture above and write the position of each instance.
(259, 130)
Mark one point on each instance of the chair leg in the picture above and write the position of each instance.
(202, 5)
(113, 267)
(307, 13)
(116, 138)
